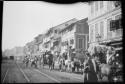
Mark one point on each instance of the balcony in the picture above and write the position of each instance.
(118, 33)
(116, 30)
(115, 34)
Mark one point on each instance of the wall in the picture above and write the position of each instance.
(110, 12)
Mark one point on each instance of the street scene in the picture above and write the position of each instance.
(85, 50)
(17, 72)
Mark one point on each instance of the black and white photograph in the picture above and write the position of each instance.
(45, 42)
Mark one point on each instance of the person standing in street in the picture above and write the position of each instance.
(36, 61)
(50, 61)
(90, 69)
(43, 60)
(27, 61)
(110, 55)
(106, 69)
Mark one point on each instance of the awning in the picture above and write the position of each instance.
(119, 43)
(120, 48)
(47, 42)
(112, 42)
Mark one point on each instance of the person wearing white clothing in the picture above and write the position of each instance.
(110, 55)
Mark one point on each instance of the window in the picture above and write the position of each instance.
(79, 28)
(109, 34)
(101, 4)
(87, 41)
(91, 33)
(96, 6)
(118, 25)
(108, 24)
(92, 8)
(102, 29)
(84, 42)
(46, 46)
(112, 25)
(109, 5)
(118, 18)
(56, 43)
(96, 30)
(117, 3)
(80, 43)
(66, 24)
(56, 31)
(63, 43)
(71, 41)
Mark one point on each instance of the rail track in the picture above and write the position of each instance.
(5, 76)
(28, 79)
(38, 71)
(51, 77)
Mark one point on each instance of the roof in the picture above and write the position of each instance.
(82, 20)
(74, 19)
(70, 27)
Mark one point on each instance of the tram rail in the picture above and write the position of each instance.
(5, 76)
(38, 71)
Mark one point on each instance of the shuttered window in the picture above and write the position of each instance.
(109, 33)
(96, 5)
(92, 8)
(87, 41)
(101, 4)
(91, 33)
(102, 29)
(84, 42)
(96, 31)
(80, 43)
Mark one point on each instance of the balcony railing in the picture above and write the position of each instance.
(115, 34)
(118, 32)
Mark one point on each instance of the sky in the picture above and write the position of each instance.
(24, 20)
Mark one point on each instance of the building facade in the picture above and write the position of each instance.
(104, 22)
(63, 38)
(52, 39)
(75, 37)
(47, 41)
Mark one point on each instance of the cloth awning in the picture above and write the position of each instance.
(120, 48)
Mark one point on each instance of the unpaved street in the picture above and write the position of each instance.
(16, 72)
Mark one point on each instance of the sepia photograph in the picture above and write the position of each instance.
(45, 42)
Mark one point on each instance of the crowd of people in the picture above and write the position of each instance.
(94, 68)
(106, 69)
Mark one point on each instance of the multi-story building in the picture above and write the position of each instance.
(74, 32)
(47, 40)
(32, 48)
(57, 36)
(105, 22)
(52, 38)
(75, 37)
(39, 44)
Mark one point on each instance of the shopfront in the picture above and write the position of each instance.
(118, 46)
